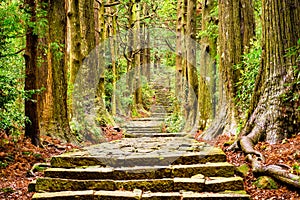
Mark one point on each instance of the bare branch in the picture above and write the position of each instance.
(12, 54)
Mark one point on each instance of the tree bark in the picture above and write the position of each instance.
(192, 75)
(179, 72)
(32, 130)
(274, 112)
(236, 29)
(57, 20)
(208, 98)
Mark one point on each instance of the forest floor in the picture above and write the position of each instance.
(18, 156)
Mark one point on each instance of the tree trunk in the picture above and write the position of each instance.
(192, 107)
(274, 110)
(103, 116)
(112, 23)
(236, 28)
(75, 47)
(207, 84)
(45, 97)
(179, 35)
(32, 130)
(137, 57)
(56, 61)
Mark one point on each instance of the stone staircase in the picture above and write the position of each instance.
(154, 167)
(147, 164)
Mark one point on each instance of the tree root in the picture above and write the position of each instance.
(279, 172)
(276, 171)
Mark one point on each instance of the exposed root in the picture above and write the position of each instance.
(276, 171)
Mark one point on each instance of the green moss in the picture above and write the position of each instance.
(265, 182)
(243, 169)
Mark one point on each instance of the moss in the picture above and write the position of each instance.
(265, 182)
(243, 169)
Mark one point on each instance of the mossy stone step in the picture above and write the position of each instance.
(143, 159)
(146, 151)
(145, 129)
(145, 134)
(138, 194)
(153, 185)
(149, 119)
(223, 169)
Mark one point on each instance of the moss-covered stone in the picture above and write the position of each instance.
(218, 184)
(243, 170)
(265, 182)
(65, 195)
(118, 195)
(189, 184)
(223, 169)
(56, 185)
(154, 185)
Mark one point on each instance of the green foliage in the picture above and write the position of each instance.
(174, 123)
(296, 168)
(248, 69)
(7, 190)
(147, 94)
(211, 30)
(57, 50)
(12, 41)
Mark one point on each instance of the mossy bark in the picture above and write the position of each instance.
(192, 75)
(179, 24)
(273, 113)
(236, 29)
(207, 86)
(57, 20)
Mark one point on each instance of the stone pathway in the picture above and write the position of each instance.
(150, 165)
(146, 164)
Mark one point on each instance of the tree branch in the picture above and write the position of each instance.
(12, 54)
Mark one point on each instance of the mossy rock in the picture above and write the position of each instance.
(243, 170)
(266, 182)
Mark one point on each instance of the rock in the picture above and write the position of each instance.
(266, 182)
(243, 170)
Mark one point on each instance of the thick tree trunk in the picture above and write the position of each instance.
(236, 29)
(274, 112)
(207, 84)
(45, 97)
(193, 84)
(103, 116)
(75, 47)
(75, 53)
(56, 61)
(32, 130)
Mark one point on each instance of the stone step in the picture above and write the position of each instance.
(161, 185)
(146, 132)
(223, 169)
(148, 151)
(137, 160)
(143, 134)
(176, 150)
(159, 114)
(138, 194)
(149, 128)
(153, 185)
(149, 119)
